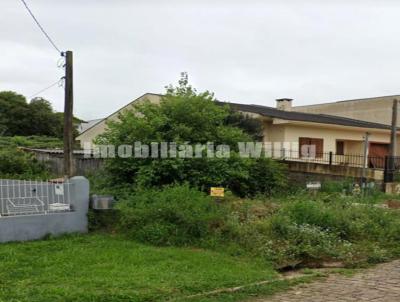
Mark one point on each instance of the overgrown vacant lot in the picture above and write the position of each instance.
(109, 268)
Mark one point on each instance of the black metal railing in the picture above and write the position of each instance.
(392, 168)
(330, 158)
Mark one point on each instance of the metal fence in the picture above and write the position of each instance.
(392, 169)
(21, 197)
(330, 158)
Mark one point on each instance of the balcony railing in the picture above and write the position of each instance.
(330, 158)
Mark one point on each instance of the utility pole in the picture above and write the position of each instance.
(68, 115)
(365, 165)
(393, 138)
(390, 168)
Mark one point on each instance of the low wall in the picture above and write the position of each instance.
(334, 171)
(31, 227)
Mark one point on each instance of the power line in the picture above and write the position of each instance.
(41, 28)
(59, 82)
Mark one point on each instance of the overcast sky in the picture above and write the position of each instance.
(244, 51)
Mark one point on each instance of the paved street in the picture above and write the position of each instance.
(381, 283)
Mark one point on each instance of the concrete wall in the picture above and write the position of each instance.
(378, 110)
(89, 135)
(31, 227)
(333, 170)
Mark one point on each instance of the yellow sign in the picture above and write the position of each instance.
(217, 192)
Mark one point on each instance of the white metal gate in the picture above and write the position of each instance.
(25, 197)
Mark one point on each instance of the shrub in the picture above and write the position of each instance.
(175, 215)
(337, 186)
(266, 177)
(187, 117)
(19, 164)
(242, 176)
(301, 243)
(301, 231)
(314, 230)
(348, 220)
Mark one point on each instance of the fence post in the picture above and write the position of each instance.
(330, 158)
(388, 173)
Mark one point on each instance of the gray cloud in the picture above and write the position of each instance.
(244, 51)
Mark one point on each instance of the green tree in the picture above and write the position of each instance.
(59, 125)
(184, 116)
(14, 114)
(43, 120)
(20, 118)
(249, 125)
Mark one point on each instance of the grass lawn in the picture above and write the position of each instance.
(101, 267)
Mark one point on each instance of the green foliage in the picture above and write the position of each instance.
(173, 216)
(349, 221)
(40, 142)
(266, 177)
(100, 220)
(18, 117)
(18, 164)
(300, 243)
(42, 119)
(299, 231)
(248, 124)
(337, 186)
(185, 116)
(14, 113)
(309, 231)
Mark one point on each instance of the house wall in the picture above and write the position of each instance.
(291, 132)
(273, 133)
(353, 147)
(378, 110)
(89, 135)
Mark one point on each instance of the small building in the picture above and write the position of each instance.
(341, 136)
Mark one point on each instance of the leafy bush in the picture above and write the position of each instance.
(31, 141)
(185, 116)
(266, 177)
(312, 231)
(305, 231)
(15, 163)
(243, 176)
(302, 243)
(350, 221)
(291, 231)
(176, 215)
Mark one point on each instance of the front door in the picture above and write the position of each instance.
(311, 147)
(376, 155)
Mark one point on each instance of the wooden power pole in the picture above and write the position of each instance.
(365, 164)
(68, 115)
(393, 138)
(390, 161)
